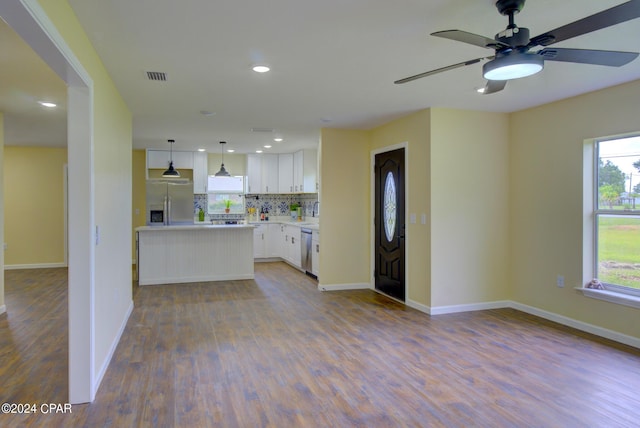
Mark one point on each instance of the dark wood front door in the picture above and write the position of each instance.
(389, 223)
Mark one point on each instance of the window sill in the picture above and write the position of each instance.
(611, 296)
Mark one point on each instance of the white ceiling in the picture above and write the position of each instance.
(333, 65)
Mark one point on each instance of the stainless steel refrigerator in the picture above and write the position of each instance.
(169, 202)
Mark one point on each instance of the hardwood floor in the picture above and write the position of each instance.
(276, 352)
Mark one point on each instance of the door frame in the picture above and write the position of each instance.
(372, 186)
(33, 25)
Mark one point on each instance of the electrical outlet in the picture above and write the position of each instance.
(560, 281)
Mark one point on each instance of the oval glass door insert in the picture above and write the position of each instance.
(389, 206)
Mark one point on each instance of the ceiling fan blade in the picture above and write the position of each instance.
(494, 86)
(470, 38)
(440, 70)
(606, 18)
(588, 56)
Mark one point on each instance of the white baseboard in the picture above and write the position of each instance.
(3, 309)
(112, 349)
(418, 306)
(338, 287)
(483, 306)
(579, 325)
(560, 319)
(35, 266)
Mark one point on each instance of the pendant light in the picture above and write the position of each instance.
(171, 172)
(223, 172)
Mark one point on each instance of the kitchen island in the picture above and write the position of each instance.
(194, 253)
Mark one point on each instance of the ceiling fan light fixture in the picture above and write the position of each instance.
(514, 66)
(171, 172)
(223, 172)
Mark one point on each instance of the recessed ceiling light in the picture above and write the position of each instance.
(277, 139)
(206, 113)
(46, 104)
(230, 151)
(267, 146)
(202, 150)
(258, 151)
(261, 68)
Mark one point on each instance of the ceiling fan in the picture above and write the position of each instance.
(515, 55)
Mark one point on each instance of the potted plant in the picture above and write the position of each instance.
(294, 211)
(227, 205)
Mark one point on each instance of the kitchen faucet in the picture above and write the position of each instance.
(316, 204)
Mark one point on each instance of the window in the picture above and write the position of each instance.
(615, 214)
(223, 193)
(389, 207)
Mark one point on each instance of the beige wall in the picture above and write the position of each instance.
(344, 199)
(469, 207)
(546, 239)
(139, 163)
(34, 206)
(112, 195)
(234, 163)
(2, 209)
(414, 130)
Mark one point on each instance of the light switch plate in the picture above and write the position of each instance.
(412, 218)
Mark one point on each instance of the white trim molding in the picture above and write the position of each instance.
(418, 306)
(35, 266)
(340, 287)
(112, 348)
(482, 306)
(560, 319)
(579, 325)
(611, 296)
(30, 21)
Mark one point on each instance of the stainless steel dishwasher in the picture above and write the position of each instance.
(305, 249)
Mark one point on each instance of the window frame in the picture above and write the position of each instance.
(613, 293)
(238, 208)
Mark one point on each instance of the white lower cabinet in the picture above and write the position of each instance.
(292, 240)
(275, 240)
(315, 253)
(282, 241)
(260, 241)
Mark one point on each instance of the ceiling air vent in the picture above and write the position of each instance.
(261, 129)
(157, 75)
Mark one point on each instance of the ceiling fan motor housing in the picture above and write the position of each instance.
(514, 37)
(507, 7)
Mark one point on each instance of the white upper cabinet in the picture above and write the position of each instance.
(262, 173)
(305, 166)
(269, 173)
(254, 173)
(159, 159)
(285, 173)
(200, 165)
